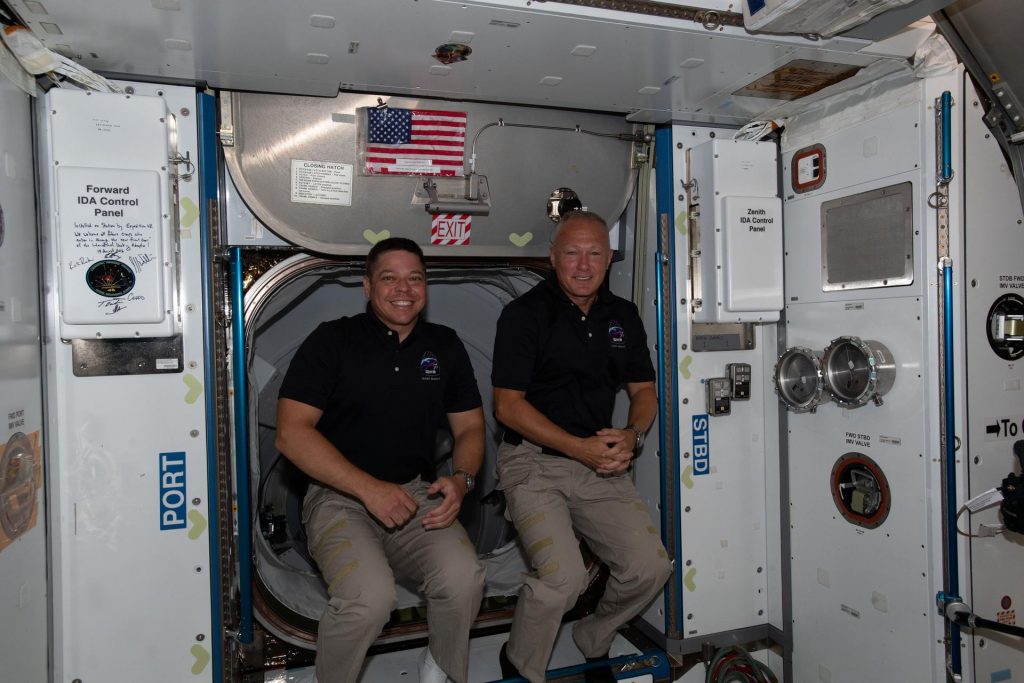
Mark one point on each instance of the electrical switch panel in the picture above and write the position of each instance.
(719, 395)
(739, 380)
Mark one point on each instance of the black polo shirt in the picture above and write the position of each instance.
(570, 364)
(382, 400)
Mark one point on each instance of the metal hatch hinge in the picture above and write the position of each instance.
(226, 132)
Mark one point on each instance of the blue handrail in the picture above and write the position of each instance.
(665, 264)
(945, 106)
(241, 413)
(952, 568)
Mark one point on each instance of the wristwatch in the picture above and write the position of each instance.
(639, 436)
(470, 479)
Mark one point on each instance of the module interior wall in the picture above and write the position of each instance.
(727, 522)
(23, 589)
(863, 599)
(994, 244)
(149, 588)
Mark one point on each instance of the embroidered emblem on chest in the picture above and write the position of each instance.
(430, 368)
(616, 335)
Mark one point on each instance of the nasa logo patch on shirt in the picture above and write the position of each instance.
(430, 368)
(616, 335)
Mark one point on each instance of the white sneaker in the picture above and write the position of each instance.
(430, 671)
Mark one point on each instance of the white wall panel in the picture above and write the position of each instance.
(23, 589)
(863, 599)
(994, 245)
(132, 599)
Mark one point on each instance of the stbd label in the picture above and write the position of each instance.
(701, 444)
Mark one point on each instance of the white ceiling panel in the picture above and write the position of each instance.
(531, 53)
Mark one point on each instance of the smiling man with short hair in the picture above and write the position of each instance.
(358, 412)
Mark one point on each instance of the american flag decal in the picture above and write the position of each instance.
(415, 142)
(450, 229)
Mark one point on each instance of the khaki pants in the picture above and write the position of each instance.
(548, 496)
(359, 560)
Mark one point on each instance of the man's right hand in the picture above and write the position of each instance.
(389, 503)
(594, 452)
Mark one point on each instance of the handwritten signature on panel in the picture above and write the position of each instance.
(118, 304)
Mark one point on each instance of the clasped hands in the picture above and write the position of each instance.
(609, 451)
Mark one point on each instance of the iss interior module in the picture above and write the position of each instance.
(297, 166)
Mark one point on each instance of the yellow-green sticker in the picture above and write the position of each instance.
(190, 212)
(374, 237)
(202, 658)
(198, 524)
(688, 579)
(520, 240)
(194, 386)
(684, 367)
(682, 220)
(687, 477)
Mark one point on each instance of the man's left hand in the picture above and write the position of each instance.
(621, 443)
(452, 490)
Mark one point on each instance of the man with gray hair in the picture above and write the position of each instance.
(561, 353)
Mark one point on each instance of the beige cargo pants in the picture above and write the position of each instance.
(359, 560)
(548, 496)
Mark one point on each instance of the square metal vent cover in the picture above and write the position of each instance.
(867, 239)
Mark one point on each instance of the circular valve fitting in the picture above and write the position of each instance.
(857, 371)
(860, 490)
(799, 380)
(18, 486)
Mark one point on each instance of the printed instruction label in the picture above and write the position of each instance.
(321, 182)
(891, 440)
(1011, 282)
(701, 444)
(855, 439)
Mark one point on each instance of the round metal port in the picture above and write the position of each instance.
(1006, 327)
(18, 486)
(860, 490)
(858, 370)
(799, 380)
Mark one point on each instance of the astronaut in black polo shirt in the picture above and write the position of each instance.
(561, 353)
(358, 412)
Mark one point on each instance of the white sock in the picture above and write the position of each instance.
(430, 671)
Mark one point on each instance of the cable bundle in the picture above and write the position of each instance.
(735, 665)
